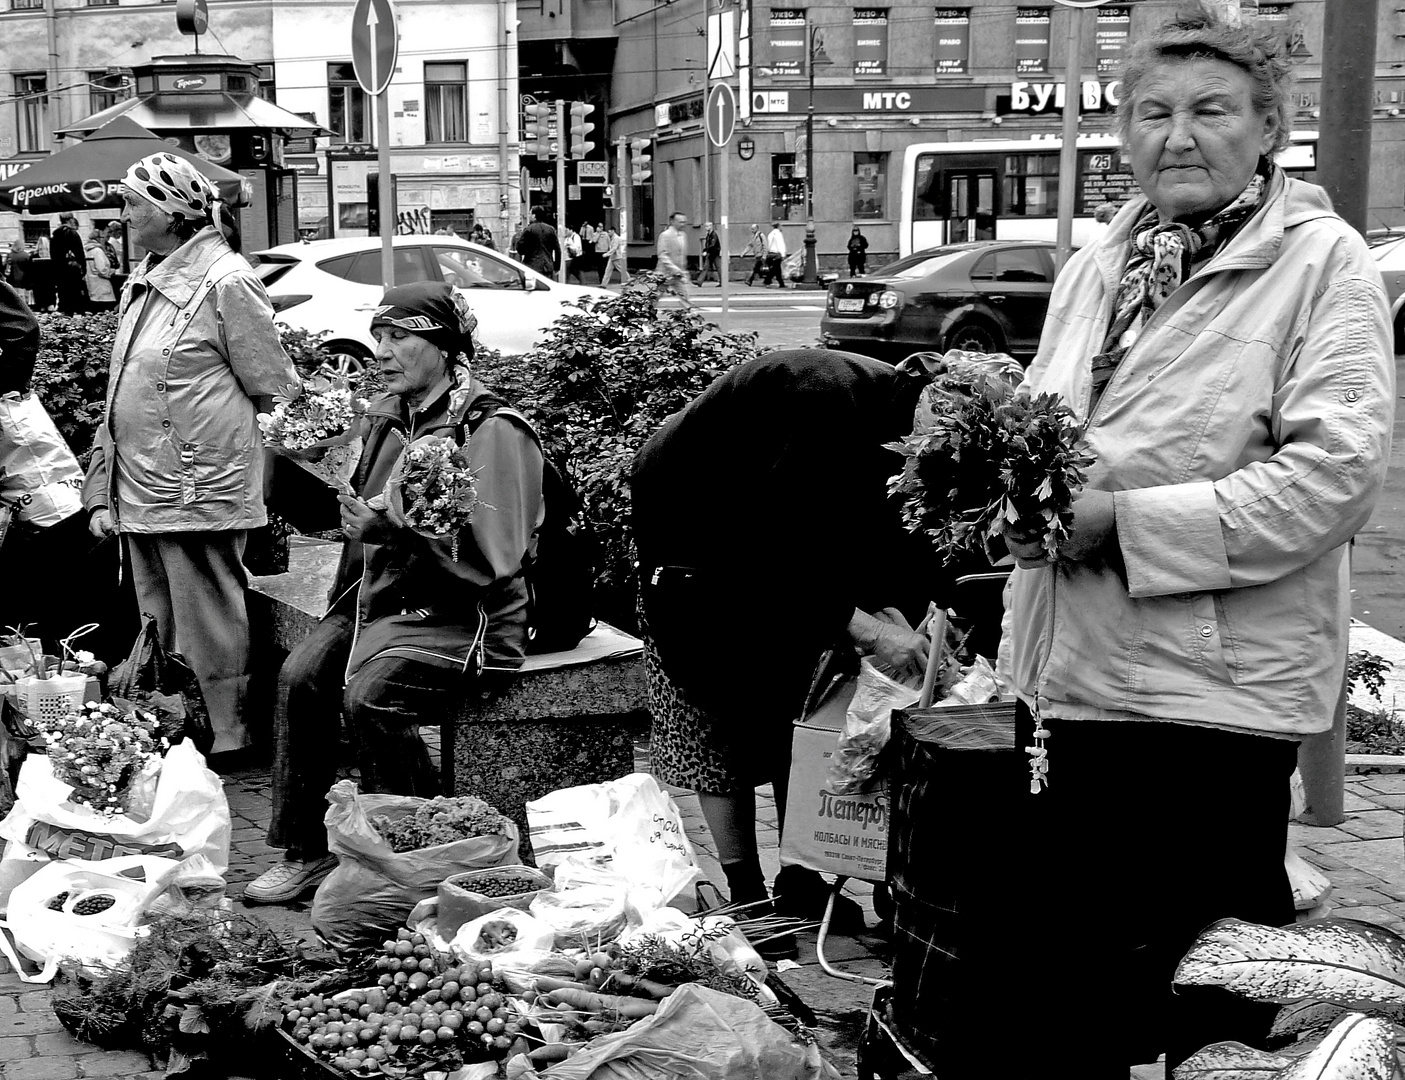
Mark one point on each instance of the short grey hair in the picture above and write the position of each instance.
(1200, 32)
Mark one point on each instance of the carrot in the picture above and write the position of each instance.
(633, 1008)
(605, 1027)
(549, 1054)
(546, 983)
(656, 990)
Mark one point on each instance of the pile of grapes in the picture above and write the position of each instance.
(426, 1011)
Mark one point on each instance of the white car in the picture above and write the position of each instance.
(332, 286)
(1390, 261)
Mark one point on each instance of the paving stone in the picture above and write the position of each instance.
(1388, 801)
(35, 1002)
(1391, 784)
(55, 1068)
(1360, 895)
(1324, 838)
(1379, 857)
(1321, 860)
(1373, 825)
(1350, 876)
(15, 1047)
(113, 1063)
(256, 849)
(60, 1044)
(34, 1023)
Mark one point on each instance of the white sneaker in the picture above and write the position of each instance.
(288, 880)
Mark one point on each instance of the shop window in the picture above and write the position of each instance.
(102, 3)
(106, 88)
(787, 190)
(21, 5)
(349, 106)
(1032, 185)
(31, 92)
(641, 213)
(870, 185)
(446, 103)
(953, 44)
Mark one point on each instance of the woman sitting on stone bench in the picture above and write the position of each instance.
(411, 629)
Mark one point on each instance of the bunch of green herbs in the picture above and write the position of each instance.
(441, 820)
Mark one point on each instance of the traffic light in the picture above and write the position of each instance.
(580, 128)
(536, 135)
(640, 160)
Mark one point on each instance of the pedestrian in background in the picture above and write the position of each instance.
(575, 250)
(673, 257)
(604, 241)
(619, 251)
(538, 246)
(756, 250)
(99, 280)
(775, 257)
(177, 468)
(70, 266)
(17, 271)
(711, 248)
(858, 252)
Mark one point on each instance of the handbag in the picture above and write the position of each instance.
(39, 475)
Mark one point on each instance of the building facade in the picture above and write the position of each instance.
(881, 79)
(453, 119)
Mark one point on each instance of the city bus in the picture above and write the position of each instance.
(1008, 189)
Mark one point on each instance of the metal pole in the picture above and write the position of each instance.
(1348, 94)
(563, 145)
(810, 135)
(623, 187)
(726, 268)
(386, 201)
(504, 184)
(1068, 155)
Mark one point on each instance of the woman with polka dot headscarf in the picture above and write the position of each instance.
(177, 468)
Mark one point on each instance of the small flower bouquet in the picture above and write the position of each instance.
(433, 489)
(315, 425)
(983, 458)
(102, 753)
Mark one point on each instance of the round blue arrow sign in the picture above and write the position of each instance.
(721, 116)
(375, 44)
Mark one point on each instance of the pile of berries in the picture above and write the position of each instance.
(506, 884)
(57, 903)
(92, 905)
(425, 1011)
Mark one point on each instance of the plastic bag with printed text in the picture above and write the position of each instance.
(188, 816)
(628, 830)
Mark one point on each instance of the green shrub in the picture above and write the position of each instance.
(70, 374)
(601, 381)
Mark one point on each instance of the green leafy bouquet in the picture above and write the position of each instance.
(984, 459)
(100, 751)
(433, 489)
(315, 425)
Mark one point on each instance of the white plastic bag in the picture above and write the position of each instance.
(716, 935)
(978, 684)
(582, 916)
(630, 827)
(59, 933)
(501, 934)
(188, 816)
(867, 728)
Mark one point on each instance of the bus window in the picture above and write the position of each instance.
(927, 199)
(1032, 185)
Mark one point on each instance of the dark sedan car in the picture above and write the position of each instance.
(989, 296)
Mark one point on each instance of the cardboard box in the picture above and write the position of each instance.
(835, 834)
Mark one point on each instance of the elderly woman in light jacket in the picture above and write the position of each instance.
(178, 465)
(1228, 343)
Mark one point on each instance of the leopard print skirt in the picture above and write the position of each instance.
(690, 749)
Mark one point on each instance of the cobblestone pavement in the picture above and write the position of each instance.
(1362, 857)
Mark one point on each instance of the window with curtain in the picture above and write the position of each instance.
(446, 102)
(107, 88)
(31, 92)
(349, 106)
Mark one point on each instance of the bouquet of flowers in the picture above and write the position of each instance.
(983, 458)
(315, 425)
(101, 751)
(433, 489)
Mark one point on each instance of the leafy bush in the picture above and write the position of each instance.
(70, 374)
(1377, 730)
(600, 382)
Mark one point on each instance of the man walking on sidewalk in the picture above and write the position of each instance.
(673, 257)
(775, 257)
(711, 249)
(756, 249)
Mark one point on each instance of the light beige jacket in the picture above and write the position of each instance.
(179, 448)
(1245, 437)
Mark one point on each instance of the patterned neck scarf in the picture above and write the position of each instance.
(1161, 254)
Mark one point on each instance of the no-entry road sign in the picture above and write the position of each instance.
(375, 44)
(721, 116)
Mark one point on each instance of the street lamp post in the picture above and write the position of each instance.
(816, 53)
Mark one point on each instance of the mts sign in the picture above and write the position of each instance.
(887, 100)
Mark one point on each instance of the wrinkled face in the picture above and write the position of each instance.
(410, 364)
(150, 227)
(1195, 137)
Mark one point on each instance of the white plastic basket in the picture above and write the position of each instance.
(51, 699)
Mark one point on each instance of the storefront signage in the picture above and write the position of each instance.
(953, 41)
(1031, 41)
(661, 115)
(1114, 28)
(746, 148)
(1037, 97)
(895, 100)
(787, 42)
(592, 173)
(870, 41)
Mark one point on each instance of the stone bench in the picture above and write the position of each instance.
(567, 718)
